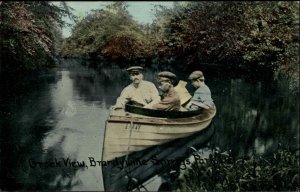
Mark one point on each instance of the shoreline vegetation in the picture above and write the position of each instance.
(257, 36)
(30, 34)
(243, 35)
(223, 172)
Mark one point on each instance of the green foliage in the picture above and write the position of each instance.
(221, 172)
(204, 31)
(110, 32)
(273, 37)
(250, 35)
(255, 35)
(29, 32)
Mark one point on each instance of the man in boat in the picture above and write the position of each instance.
(139, 92)
(171, 100)
(202, 96)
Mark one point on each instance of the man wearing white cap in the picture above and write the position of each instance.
(139, 92)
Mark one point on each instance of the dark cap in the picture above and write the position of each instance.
(196, 75)
(166, 75)
(134, 69)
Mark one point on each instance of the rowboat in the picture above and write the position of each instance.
(136, 140)
(136, 128)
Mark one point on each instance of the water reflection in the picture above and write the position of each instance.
(77, 134)
(253, 117)
(61, 114)
(49, 122)
(25, 116)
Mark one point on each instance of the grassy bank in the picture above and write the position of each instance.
(221, 172)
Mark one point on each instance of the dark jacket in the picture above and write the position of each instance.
(170, 102)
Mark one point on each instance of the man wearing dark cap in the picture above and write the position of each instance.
(202, 96)
(171, 100)
(139, 92)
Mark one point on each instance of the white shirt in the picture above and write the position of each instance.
(144, 94)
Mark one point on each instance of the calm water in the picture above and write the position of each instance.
(59, 115)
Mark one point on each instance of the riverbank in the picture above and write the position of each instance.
(224, 172)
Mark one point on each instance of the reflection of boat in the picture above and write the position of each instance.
(140, 128)
(139, 147)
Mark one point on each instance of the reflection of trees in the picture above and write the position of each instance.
(26, 117)
(252, 118)
(55, 145)
(104, 84)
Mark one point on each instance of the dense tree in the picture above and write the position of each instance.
(110, 32)
(29, 32)
(272, 40)
(253, 35)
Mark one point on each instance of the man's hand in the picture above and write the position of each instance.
(188, 105)
(200, 105)
(148, 106)
(197, 104)
(116, 107)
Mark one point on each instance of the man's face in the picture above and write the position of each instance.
(196, 83)
(136, 77)
(164, 86)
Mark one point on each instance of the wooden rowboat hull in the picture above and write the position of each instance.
(141, 166)
(126, 133)
(135, 145)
